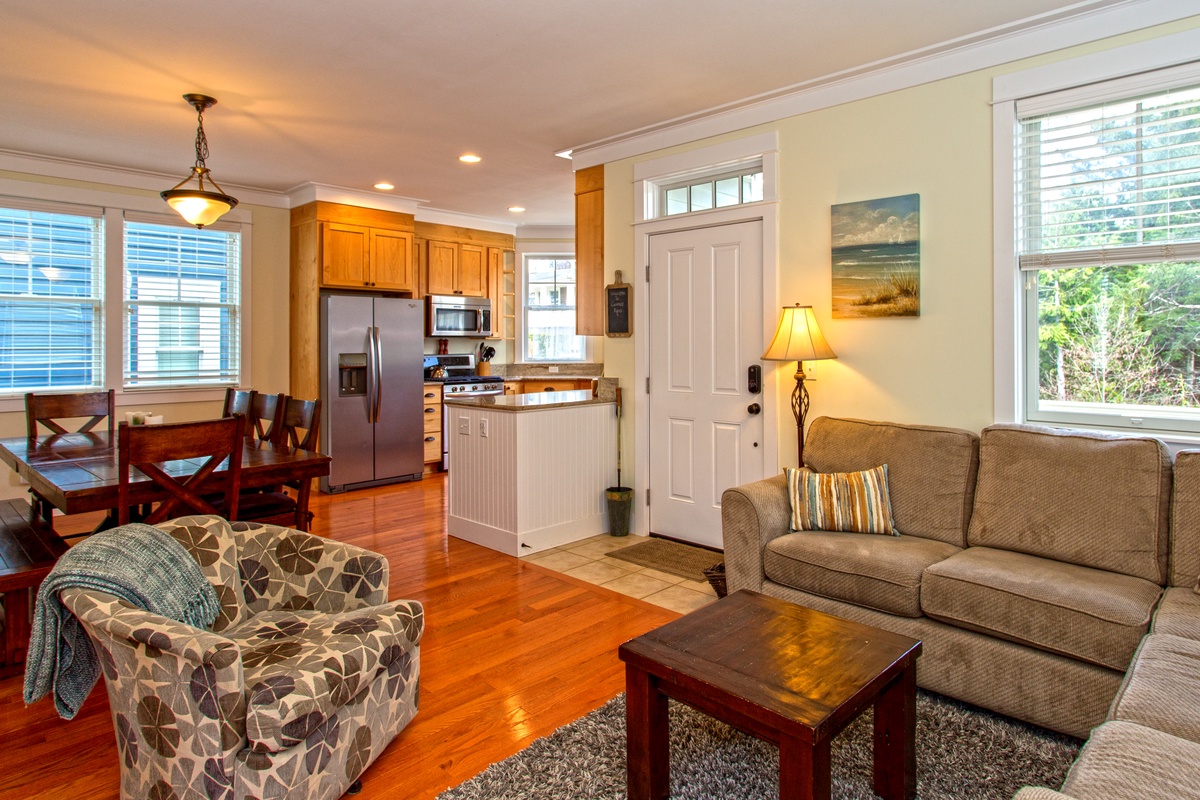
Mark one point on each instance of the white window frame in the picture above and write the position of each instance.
(554, 250)
(115, 205)
(1145, 66)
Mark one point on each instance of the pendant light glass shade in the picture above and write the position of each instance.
(199, 206)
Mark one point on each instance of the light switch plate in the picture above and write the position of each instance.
(464, 426)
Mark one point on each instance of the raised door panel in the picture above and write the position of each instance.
(442, 267)
(344, 255)
(391, 260)
(495, 285)
(472, 270)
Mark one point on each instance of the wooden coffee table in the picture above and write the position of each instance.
(784, 673)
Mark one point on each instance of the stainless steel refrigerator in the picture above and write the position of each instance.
(371, 390)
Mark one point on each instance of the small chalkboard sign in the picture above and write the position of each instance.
(618, 308)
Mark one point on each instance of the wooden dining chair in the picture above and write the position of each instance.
(170, 456)
(287, 505)
(265, 416)
(237, 401)
(50, 411)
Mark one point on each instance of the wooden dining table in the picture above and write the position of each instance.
(79, 472)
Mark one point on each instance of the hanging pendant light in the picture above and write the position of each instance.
(199, 206)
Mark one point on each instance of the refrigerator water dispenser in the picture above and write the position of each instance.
(352, 374)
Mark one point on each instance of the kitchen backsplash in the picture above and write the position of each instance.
(570, 369)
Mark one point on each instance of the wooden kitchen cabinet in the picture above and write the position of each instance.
(432, 413)
(589, 251)
(456, 269)
(358, 257)
(565, 385)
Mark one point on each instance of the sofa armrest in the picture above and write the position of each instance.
(751, 516)
(285, 568)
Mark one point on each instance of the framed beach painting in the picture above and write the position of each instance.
(876, 258)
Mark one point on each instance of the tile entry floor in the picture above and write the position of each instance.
(588, 560)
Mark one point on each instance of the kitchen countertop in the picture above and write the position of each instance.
(530, 402)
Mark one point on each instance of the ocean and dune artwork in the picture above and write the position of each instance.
(877, 258)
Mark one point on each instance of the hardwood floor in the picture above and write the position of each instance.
(511, 652)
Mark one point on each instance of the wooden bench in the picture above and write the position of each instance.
(28, 549)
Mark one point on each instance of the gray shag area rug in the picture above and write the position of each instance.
(962, 752)
(675, 558)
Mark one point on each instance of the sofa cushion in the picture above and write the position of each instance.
(1123, 761)
(1055, 493)
(931, 470)
(880, 572)
(212, 543)
(1178, 613)
(300, 667)
(1161, 690)
(853, 502)
(1075, 611)
(1185, 520)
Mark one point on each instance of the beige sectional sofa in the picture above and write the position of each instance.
(1032, 563)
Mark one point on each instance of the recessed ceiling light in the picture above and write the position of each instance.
(469, 158)
(516, 209)
(384, 186)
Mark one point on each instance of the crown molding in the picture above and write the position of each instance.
(123, 177)
(1078, 24)
(310, 192)
(546, 232)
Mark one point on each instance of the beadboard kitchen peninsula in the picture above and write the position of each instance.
(528, 472)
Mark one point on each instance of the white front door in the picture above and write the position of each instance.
(706, 330)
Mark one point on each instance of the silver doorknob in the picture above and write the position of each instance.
(754, 408)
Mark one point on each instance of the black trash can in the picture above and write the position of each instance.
(620, 504)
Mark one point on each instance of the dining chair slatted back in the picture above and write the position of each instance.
(265, 416)
(300, 426)
(237, 401)
(180, 458)
(49, 409)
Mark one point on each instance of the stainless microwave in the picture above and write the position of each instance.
(451, 315)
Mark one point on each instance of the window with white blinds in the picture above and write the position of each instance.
(1108, 238)
(182, 301)
(51, 298)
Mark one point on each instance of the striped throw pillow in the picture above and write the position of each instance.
(854, 502)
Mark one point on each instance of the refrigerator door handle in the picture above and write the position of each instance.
(378, 372)
(372, 374)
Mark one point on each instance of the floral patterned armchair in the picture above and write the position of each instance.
(306, 676)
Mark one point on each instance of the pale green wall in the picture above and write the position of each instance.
(933, 140)
(268, 320)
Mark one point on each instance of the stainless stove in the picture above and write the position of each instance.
(457, 375)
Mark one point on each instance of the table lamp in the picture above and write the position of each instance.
(798, 338)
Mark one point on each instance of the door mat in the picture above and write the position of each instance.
(675, 558)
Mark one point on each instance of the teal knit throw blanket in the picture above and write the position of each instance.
(138, 563)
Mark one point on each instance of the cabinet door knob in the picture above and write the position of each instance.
(430, 394)
(431, 438)
(430, 410)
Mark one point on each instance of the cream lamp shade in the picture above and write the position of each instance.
(199, 205)
(798, 337)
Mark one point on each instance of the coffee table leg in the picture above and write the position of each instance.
(803, 770)
(647, 748)
(896, 738)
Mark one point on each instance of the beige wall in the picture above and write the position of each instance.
(933, 140)
(268, 331)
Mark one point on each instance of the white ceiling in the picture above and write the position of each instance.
(348, 94)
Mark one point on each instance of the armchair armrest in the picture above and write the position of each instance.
(285, 568)
(751, 516)
(166, 682)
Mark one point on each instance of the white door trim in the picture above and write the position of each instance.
(768, 212)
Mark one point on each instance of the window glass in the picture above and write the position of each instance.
(704, 194)
(727, 192)
(677, 200)
(550, 310)
(51, 294)
(182, 289)
(1109, 238)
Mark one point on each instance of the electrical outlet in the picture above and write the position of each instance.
(810, 371)
(483, 428)
(464, 426)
